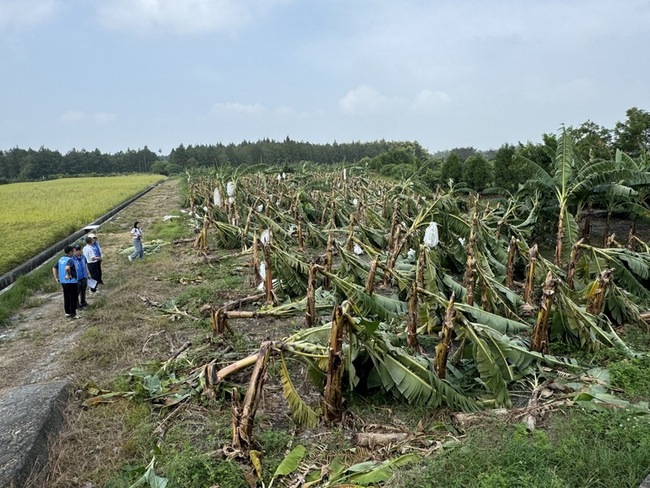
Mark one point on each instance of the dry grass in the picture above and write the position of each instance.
(119, 331)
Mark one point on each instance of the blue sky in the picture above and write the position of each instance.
(119, 74)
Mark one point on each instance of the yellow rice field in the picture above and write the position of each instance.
(35, 215)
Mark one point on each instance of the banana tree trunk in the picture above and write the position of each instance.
(571, 270)
(349, 245)
(257, 277)
(333, 394)
(219, 322)
(412, 324)
(310, 315)
(586, 229)
(422, 266)
(400, 240)
(328, 261)
(301, 237)
(510, 269)
(244, 414)
(468, 280)
(529, 287)
(596, 299)
(201, 242)
(540, 339)
(559, 239)
(631, 243)
(268, 277)
(442, 349)
(247, 226)
(370, 280)
(393, 227)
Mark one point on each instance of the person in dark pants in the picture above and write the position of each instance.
(81, 267)
(98, 258)
(93, 263)
(64, 272)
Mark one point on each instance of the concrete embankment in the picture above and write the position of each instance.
(30, 417)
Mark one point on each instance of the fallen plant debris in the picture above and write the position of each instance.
(466, 325)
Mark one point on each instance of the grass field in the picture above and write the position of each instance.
(33, 216)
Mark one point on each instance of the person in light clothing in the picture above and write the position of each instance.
(136, 233)
(91, 259)
(98, 259)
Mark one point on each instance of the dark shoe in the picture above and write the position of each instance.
(74, 317)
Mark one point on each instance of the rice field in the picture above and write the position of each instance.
(35, 215)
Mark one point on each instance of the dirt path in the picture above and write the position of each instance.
(31, 348)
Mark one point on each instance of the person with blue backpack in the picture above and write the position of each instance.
(81, 267)
(65, 273)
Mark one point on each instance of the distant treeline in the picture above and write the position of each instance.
(468, 167)
(30, 165)
(273, 153)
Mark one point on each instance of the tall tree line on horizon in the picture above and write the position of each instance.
(465, 167)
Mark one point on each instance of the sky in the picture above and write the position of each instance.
(115, 75)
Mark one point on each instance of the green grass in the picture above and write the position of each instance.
(169, 230)
(632, 375)
(604, 449)
(24, 287)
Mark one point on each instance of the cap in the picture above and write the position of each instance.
(76, 247)
(93, 235)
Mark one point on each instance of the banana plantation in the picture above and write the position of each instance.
(436, 297)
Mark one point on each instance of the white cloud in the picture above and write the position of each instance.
(427, 101)
(78, 116)
(366, 100)
(25, 13)
(183, 16)
(237, 108)
(363, 100)
(284, 110)
(102, 118)
(73, 116)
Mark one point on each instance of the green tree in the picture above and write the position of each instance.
(504, 172)
(591, 141)
(478, 173)
(561, 183)
(633, 136)
(452, 169)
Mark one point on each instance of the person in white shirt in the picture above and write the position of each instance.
(93, 262)
(136, 233)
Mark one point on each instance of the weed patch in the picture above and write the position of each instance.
(601, 449)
